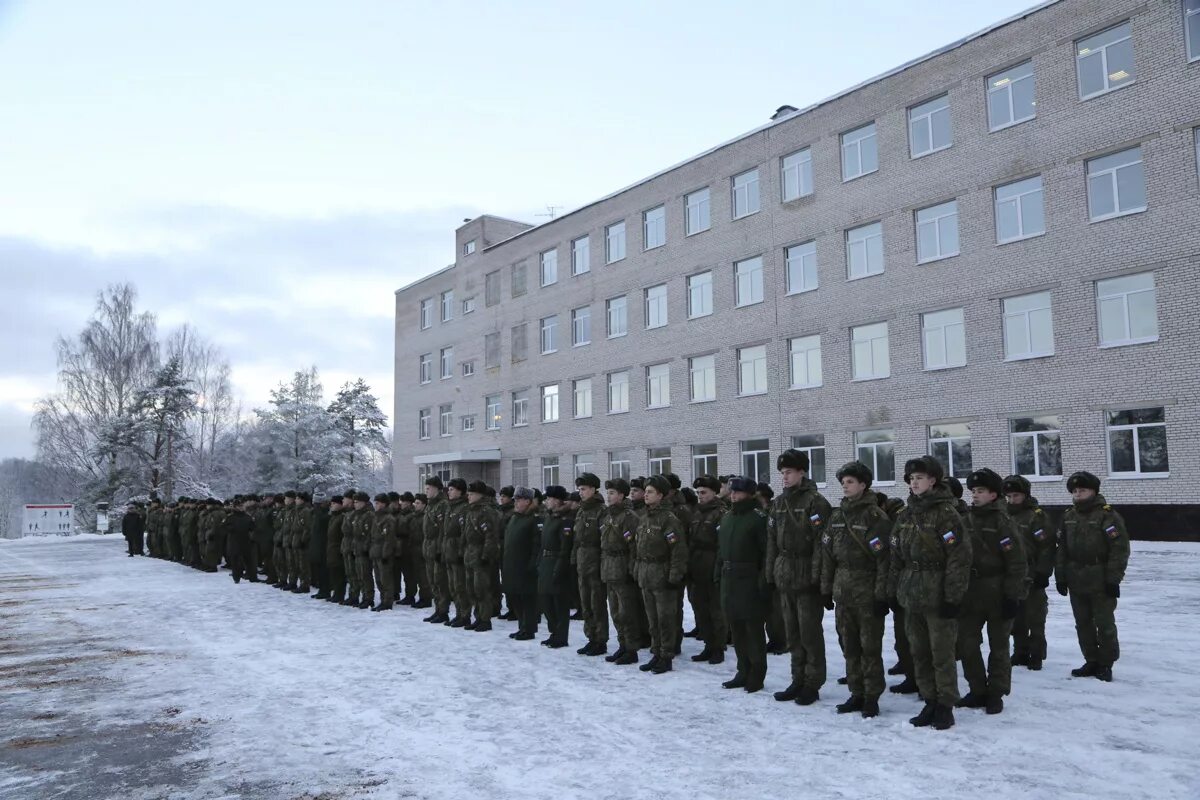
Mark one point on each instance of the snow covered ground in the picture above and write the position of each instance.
(137, 678)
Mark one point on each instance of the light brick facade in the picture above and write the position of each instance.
(1158, 111)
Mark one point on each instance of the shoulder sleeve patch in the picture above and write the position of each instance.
(949, 537)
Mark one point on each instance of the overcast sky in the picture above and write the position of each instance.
(272, 171)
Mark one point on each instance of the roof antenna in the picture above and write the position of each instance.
(552, 212)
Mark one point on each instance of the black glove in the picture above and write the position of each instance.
(1062, 589)
(1113, 590)
(949, 610)
(674, 587)
(1042, 581)
(1009, 608)
(894, 604)
(881, 608)
(827, 601)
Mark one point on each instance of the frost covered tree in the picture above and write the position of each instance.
(360, 426)
(160, 415)
(302, 437)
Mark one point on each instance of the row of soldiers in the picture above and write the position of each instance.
(947, 572)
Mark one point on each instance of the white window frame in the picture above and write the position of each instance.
(619, 467)
(582, 463)
(1024, 317)
(852, 142)
(926, 112)
(938, 218)
(581, 326)
(618, 381)
(425, 424)
(1004, 82)
(859, 336)
(658, 386)
(425, 368)
(468, 247)
(468, 423)
(581, 255)
(1103, 294)
(1106, 179)
(520, 471)
(933, 330)
(445, 420)
(1036, 475)
(949, 441)
(581, 393)
(1136, 428)
(468, 368)
(550, 471)
(800, 443)
(702, 372)
(549, 267)
(748, 282)
(614, 242)
(1191, 29)
(620, 312)
(520, 409)
(697, 215)
(656, 463)
(468, 305)
(547, 334)
(549, 403)
(654, 228)
(1103, 51)
(426, 319)
(748, 358)
(700, 461)
(656, 303)
(760, 457)
(858, 240)
(801, 259)
(745, 194)
(447, 305)
(446, 362)
(1018, 200)
(700, 294)
(796, 175)
(492, 413)
(874, 448)
(803, 362)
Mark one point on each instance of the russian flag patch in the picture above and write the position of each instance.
(815, 519)
(876, 545)
(627, 535)
(1112, 531)
(1006, 544)
(1039, 534)
(672, 537)
(949, 538)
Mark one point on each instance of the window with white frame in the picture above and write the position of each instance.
(618, 392)
(1011, 96)
(581, 326)
(1028, 327)
(1019, 210)
(492, 418)
(658, 460)
(426, 313)
(1127, 309)
(869, 351)
(864, 251)
(1104, 61)
(582, 391)
(752, 370)
(582, 463)
(423, 423)
(748, 281)
(468, 423)
(581, 255)
(550, 471)
(549, 267)
(654, 228)
(814, 445)
(520, 411)
(697, 210)
(468, 368)
(550, 403)
(756, 459)
(700, 295)
(929, 127)
(860, 155)
(491, 289)
(656, 306)
(805, 354)
(520, 342)
(447, 306)
(520, 471)
(796, 175)
(549, 336)
(1036, 446)
(468, 247)
(614, 242)
(1116, 185)
(617, 311)
(877, 449)
(702, 375)
(944, 338)
(618, 464)
(447, 362)
(519, 279)
(1191, 24)
(468, 305)
(950, 444)
(800, 261)
(658, 386)
(704, 460)
(745, 194)
(446, 419)
(1137, 442)
(426, 367)
(937, 232)
(491, 350)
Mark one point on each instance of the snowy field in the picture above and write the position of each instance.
(137, 678)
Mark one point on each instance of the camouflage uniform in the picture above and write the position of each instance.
(414, 548)
(703, 584)
(154, 530)
(349, 554)
(481, 549)
(660, 568)
(586, 555)
(435, 518)
(382, 551)
(360, 524)
(1039, 544)
(1093, 554)
(282, 525)
(451, 546)
(334, 541)
(302, 521)
(618, 527)
(554, 574)
(188, 535)
(263, 534)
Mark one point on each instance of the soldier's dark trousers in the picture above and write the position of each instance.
(280, 559)
(239, 558)
(705, 597)
(861, 634)
(174, 546)
(903, 650)
(383, 579)
(481, 593)
(934, 641)
(366, 577)
(460, 590)
(997, 677)
(398, 577)
(134, 544)
(1096, 627)
(623, 603)
(663, 616)
(408, 573)
(557, 608)
(441, 588)
(494, 574)
(353, 578)
(776, 632)
(320, 575)
(420, 584)
(337, 576)
(802, 614)
(525, 606)
(303, 569)
(750, 646)
(593, 602)
(1029, 628)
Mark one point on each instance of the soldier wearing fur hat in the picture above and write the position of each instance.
(360, 523)
(1093, 553)
(618, 528)
(439, 580)
(335, 592)
(406, 562)
(1039, 543)
(416, 550)
(279, 540)
(236, 528)
(554, 566)
(795, 524)
(522, 557)
(702, 586)
(481, 551)
(930, 570)
(660, 568)
(586, 555)
(451, 547)
(741, 566)
(993, 594)
(383, 552)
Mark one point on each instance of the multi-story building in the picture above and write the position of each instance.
(991, 253)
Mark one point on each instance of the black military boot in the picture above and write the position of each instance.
(925, 718)
(736, 682)
(586, 650)
(523, 636)
(482, 626)
(407, 600)
(717, 656)
(853, 703)
(703, 655)
(870, 707)
(457, 622)
(692, 634)
(557, 643)
(896, 669)
(321, 595)
(755, 680)
(1104, 674)
(1020, 659)
(776, 648)
(1088, 670)
(807, 697)
(423, 603)
(995, 704)
(907, 686)
(469, 625)
(651, 664)
(620, 651)
(972, 700)
(842, 681)
(365, 603)
(351, 600)
(943, 717)
(1034, 663)
(664, 665)
(788, 694)
(628, 657)
(577, 615)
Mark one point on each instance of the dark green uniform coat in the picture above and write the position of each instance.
(740, 567)
(997, 576)
(1093, 553)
